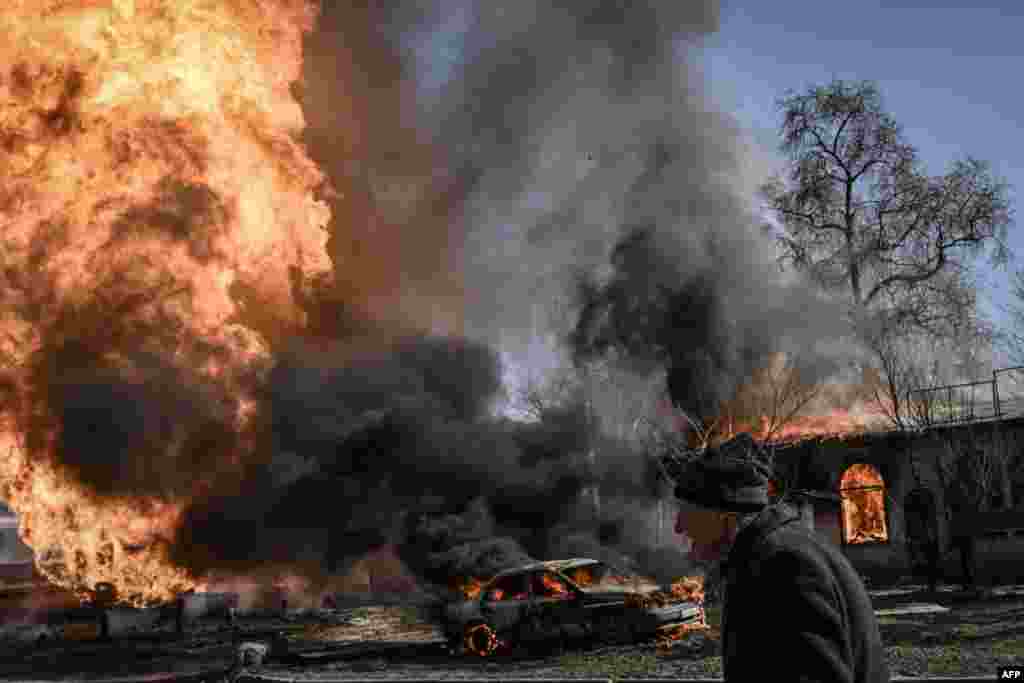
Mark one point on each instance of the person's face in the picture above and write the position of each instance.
(712, 531)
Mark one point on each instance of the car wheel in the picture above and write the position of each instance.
(480, 639)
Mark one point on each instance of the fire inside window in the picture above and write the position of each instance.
(863, 498)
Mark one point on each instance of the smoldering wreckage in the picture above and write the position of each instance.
(248, 329)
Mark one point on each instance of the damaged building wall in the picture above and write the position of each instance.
(907, 464)
(998, 528)
(818, 465)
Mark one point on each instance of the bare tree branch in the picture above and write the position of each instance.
(852, 174)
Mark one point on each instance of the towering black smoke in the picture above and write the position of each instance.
(399, 448)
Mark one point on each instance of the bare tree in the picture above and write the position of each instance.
(772, 399)
(778, 393)
(538, 398)
(859, 216)
(902, 370)
(775, 395)
(917, 394)
(1012, 336)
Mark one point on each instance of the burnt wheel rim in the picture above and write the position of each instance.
(481, 640)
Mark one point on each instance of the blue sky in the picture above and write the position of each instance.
(948, 72)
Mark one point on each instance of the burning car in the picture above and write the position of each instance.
(565, 600)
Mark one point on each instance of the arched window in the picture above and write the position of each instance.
(863, 498)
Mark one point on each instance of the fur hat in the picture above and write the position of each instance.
(732, 477)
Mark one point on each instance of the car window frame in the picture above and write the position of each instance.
(571, 587)
(607, 566)
(489, 588)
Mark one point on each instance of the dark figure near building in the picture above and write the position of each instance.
(922, 537)
(963, 503)
(933, 560)
(791, 598)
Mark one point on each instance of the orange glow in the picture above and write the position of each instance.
(684, 589)
(584, 578)
(468, 586)
(581, 576)
(689, 588)
(552, 587)
(836, 423)
(863, 501)
(151, 176)
(779, 403)
(667, 635)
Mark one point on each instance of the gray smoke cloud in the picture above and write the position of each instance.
(597, 167)
(548, 115)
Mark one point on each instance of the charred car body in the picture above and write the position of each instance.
(561, 601)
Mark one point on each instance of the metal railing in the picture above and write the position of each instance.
(1008, 388)
(989, 399)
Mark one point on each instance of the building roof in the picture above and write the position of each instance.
(881, 434)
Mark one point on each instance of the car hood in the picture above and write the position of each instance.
(593, 595)
(603, 595)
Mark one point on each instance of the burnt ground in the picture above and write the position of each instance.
(976, 635)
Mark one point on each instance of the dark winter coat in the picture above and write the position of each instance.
(795, 609)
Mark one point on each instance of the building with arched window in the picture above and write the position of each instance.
(894, 499)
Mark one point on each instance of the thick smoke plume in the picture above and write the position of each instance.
(587, 145)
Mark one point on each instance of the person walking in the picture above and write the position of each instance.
(794, 608)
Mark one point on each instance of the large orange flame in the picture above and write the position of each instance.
(689, 588)
(837, 422)
(148, 172)
(833, 422)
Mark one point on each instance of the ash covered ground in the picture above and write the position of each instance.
(978, 633)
